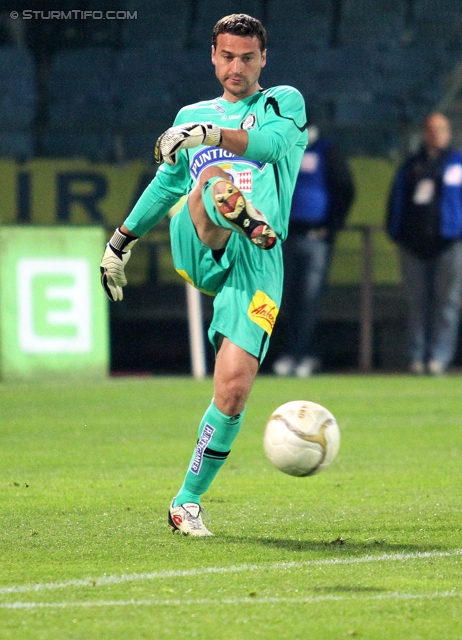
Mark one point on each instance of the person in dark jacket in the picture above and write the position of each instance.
(322, 199)
(425, 220)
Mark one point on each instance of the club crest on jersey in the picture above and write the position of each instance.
(207, 156)
(242, 179)
(249, 122)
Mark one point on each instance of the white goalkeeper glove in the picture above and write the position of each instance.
(113, 263)
(185, 136)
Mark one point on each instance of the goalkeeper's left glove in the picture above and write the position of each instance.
(185, 136)
(113, 263)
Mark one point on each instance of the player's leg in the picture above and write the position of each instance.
(245, 310)
(211, 234)
(193, 260)
(217, 206)
(235, 372)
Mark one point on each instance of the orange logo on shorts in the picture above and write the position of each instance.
(263, 311)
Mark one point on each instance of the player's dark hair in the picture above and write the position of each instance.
(240, 24)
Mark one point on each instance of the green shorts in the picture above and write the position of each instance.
(246, 282)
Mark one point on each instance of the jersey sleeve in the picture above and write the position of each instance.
(169, 185)
(284, 126)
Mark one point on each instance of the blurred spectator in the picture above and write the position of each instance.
(322, 198)
(425, 220)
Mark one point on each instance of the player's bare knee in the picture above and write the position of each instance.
(231, 395)
(230, 405)
(212, 172)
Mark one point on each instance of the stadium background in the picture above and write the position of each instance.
(82, 101)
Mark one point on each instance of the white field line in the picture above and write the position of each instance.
(225, 601)
(277, 566)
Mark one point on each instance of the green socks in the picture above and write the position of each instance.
(216, 435)
(209, 205)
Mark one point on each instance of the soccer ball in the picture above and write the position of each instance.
(301, 438)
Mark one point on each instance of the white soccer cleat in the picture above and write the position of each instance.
(187, 519)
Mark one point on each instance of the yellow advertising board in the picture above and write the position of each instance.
(65, 193)
(48, 192)
(80, 192)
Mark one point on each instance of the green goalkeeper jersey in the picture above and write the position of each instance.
(266, 173)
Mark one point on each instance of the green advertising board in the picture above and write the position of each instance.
(53, 311)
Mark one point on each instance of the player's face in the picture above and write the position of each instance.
(238, 62)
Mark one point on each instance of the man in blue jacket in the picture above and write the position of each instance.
(425, 220)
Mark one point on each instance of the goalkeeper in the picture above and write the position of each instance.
(237, 157)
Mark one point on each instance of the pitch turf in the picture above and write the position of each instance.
(370, 548)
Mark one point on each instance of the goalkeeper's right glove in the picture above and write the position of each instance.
(185, 136)
(112, 266)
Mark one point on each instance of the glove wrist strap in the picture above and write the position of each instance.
(121, 241)
(213, 135)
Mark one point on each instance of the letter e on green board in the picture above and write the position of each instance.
(53, 311)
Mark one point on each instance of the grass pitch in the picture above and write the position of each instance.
(370, 548)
